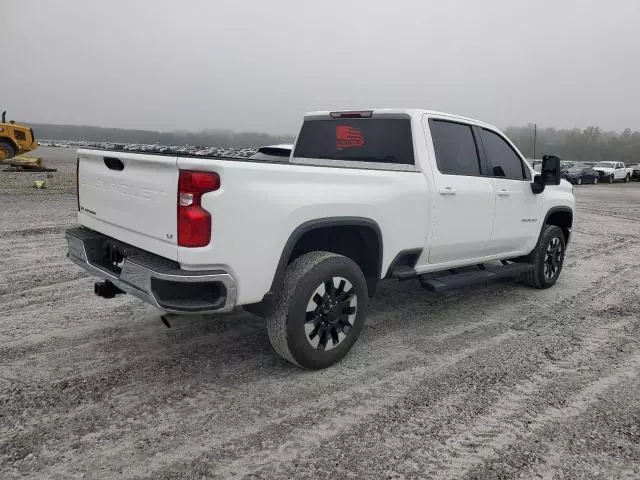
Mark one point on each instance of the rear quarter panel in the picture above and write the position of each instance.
(259, 205)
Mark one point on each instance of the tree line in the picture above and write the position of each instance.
(591, 144)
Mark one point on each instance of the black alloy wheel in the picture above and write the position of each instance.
(330, 314)
(553, 258)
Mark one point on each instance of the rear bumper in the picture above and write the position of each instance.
(154, 279)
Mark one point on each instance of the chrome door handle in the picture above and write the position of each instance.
(447, 191)
(503, 192)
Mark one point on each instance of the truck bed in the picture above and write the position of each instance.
(255, 211)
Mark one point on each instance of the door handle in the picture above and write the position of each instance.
(447, 191)
(503, 192)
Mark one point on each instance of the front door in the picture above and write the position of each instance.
(517, 213)
(464, 200)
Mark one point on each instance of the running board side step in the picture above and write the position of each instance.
(485, 274)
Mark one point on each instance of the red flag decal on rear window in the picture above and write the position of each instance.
(348, 137)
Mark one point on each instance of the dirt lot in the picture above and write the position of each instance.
(494, 381)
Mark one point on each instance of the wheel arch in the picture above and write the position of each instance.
(561, 217)
(328, 234)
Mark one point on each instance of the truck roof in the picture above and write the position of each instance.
(412, 112)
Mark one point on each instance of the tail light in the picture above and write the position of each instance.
(194, 222)
(78, 182)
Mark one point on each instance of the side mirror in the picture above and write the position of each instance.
(550, 174)
(538, 184)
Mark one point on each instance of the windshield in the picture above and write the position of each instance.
(604, 165)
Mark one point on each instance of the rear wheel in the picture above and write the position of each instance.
(548, 257)
(320, 310)
(6, 150)
(595, 180)
(627, 178)
(579, 181)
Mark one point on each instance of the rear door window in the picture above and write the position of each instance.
(455, 147)
(502, 159)
(377, 140)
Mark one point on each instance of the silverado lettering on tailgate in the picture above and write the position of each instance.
(143, 193)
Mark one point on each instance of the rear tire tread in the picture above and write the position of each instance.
(277, 328)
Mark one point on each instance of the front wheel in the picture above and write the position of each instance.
(320, 310)
(548, 257)
(6, 150)
(595, 180)
(610, 178)
(579, 181)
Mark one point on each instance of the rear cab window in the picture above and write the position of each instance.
(378, 141)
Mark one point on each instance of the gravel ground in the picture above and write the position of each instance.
(496, 381)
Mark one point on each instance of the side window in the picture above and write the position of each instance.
(455, 147)
(502, 160)
(19, 135)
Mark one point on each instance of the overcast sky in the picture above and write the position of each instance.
(260, 65)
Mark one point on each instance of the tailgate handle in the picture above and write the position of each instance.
(114, 163)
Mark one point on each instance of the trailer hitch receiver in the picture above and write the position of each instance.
(106, 289)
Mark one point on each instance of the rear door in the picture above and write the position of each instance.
(464, 199)
(517, 213)
(131, 197)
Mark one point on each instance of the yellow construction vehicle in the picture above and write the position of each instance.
(15, 139)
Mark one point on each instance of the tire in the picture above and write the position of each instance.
(610, 178)
(627, 178)
(6, 150)
(579, 181)
(548, 257)
(307, 278)
(595, 180)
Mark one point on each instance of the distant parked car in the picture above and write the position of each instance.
(274, 153)
(565, 164)
(580, 173)
(636, 171)
(611, 171)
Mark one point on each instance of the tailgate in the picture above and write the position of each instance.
(131, 197)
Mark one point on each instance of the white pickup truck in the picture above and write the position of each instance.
(612, 171)
(364, 196)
